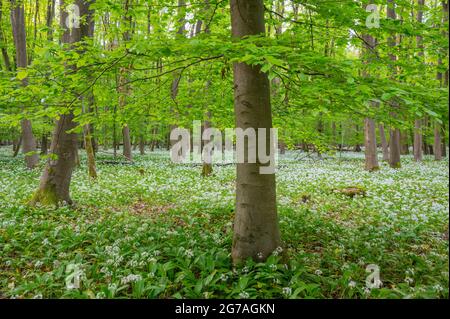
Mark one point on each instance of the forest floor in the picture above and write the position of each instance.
(159, 230)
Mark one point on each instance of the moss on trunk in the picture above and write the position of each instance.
(45, 196)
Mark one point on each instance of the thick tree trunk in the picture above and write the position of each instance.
(127, 143)
(18, 27)
(384, 143)
(256, 230)
(55, 180)
(394, 148)
(370, 145)
(418, 140)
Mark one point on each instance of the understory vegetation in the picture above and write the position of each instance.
(152, 229)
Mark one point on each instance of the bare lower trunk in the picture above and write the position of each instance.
(29, 145)
(394, 141)
(404, 147)
(418, 137)
(19, 35)
(141, 145)
(444, 144)
(89, 152)
(418, 141)
(124, 91)
(394, 148)
(207, 167)
(384, 143)
(370, 145)
(17, 146)
(44, 144)
(437, 143)
(127, 143)
(55, 180)
(256, 230)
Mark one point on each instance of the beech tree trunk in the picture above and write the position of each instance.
(444, 144)
(437, 148)
(404, 147)
(370, 145)
(127, 143)
(4, 48)
(44, 144)
(124, 88)
(207, 167)
(17, 146)
(55, 180)
(89, 152)
(18, 27)
(394, 148)
(418, 141)
(394, 141)
(370, 141)
(384, 143)
(141, 145)
(256, 230)
(87, 30)
(443, 80)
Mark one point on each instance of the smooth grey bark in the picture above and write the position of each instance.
(370, 141)
(87, 30)
(394, 148)
(394, 141)
(256, 229)
(443, 81)
(18, 28)
(177, 75)
(384, 143)
(124, 89)
(418, 141)
(418, 122)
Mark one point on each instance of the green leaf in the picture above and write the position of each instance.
(22, 75)
(273, 60)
